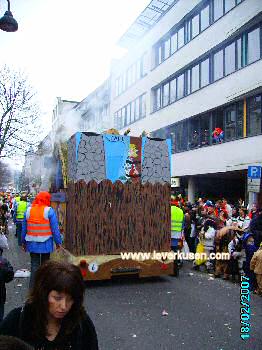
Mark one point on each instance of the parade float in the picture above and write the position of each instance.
(111, 193)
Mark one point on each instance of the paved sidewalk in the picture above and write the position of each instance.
(16, 291)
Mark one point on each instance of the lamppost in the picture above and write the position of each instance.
(7, 22)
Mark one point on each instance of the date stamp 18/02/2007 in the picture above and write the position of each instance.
(244, 308)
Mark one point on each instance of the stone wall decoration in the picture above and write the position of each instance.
(118, 157)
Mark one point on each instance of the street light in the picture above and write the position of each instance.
(7, 22)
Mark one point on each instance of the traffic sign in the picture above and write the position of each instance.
(254, 172)
(175, 182)
(253, 185)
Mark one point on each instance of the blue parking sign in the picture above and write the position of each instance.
(254, 172)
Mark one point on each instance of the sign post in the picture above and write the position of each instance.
(253, 183)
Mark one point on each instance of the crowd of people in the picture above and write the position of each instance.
(218, 227)
(53, 316)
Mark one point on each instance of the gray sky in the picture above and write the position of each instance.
(66, 46)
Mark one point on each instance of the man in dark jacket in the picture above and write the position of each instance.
(6, 275)
(256, 227)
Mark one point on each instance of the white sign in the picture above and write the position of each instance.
(175, 182)
(93, 267)
(253, 185)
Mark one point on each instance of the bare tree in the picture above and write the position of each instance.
(19, 113)
(5, 175)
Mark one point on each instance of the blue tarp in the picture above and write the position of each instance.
(116, 152)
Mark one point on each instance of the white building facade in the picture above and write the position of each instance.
(195, 70)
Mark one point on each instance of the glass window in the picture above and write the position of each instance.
(253, 45)
(158, 98)
(205, 18)
(195, 26)
(173, 43)
(230, 58)
(195, 78)
(143, 105)
(137, 109)
(229, 4)
(188, 85)
(181, 136)
(205, 130)
(123, 117)
(218, 65)
(188, 31)
(128, 114)
(218, 126)
(132, 111)
(181, 37)
(159, 54)
(239, 1)
(218, 9)
(167, 49)
(230, 123)
(129, 77)
(120, 85)
(240, 118)
(254, 116)
(194, 137)
(172, 90)
(180, 86)
(239, 54)
(165, 94)
(204, 73)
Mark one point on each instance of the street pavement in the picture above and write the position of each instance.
(202, 313)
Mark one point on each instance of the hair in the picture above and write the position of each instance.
(61, 277)
(12, 343)
(23, 198)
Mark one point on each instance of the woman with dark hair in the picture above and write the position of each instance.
(53, 317)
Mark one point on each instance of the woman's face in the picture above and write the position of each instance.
(59, 304)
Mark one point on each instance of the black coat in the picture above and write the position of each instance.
(18, 323)
(6, 275)
(256, 228)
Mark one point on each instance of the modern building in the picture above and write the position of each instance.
(193, 73)
(95, 110)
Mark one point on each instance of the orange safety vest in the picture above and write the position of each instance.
(38, 225)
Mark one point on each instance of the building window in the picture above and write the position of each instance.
(204, 73)
(165, 94)
(195, 78)
(230, 123)
(195, 26)
(229, 4)
(181, 136)
(158, 98)
(218, 69)
(205, 130)
(239, 53)
(253, 45)
(137, 109)
(173, 43)
(132, 111)
(143, 105)
(128, 114)
(194, 137)
(218, 8)
(240, 118)
(167, 48)
(204, 17)
(230, 58)
(159, 54)
(172, 90)
(254, 116)
(180, 86)
(181, 37)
